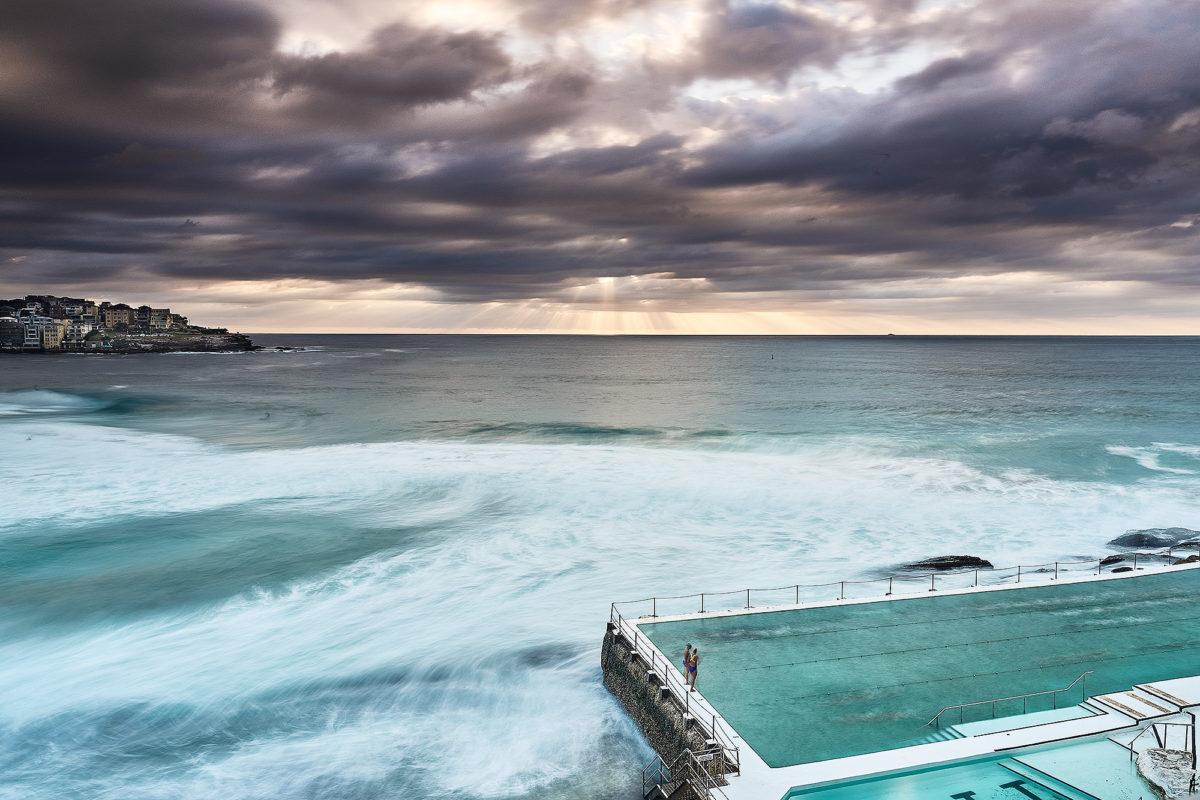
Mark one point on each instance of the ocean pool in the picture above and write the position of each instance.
(813, 684)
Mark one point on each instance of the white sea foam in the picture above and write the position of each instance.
(41, 401)
(484, 617)
(1151, 457)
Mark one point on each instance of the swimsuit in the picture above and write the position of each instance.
(691, 668)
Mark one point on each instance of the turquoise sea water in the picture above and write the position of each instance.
(381, 567)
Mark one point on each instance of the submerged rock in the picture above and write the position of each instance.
(1154, 537)
(941, 563)
(1104, 562)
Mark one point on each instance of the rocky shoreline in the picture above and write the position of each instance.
(210, 341)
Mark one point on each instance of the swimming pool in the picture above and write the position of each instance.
(1076, 771)
(812, 684)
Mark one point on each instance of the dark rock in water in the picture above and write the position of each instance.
(1188, 560)
(1123, 569)
(1154, 537)
(1111, 560)
(948, 562)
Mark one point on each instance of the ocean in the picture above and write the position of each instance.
(380, 566)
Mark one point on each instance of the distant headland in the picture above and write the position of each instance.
(40, 323)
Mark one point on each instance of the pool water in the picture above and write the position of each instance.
(813, 684)
(1078, 771)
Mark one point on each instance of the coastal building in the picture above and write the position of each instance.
(77, 331)
(1058, 682)
(119, 314)
(53, 332)
(12, 333)
(33, 336)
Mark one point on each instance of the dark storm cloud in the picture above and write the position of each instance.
(486, 168)
(402, 65)
(113, 44)
(139, 64)
(1085, 142)
(762, 40)
(946, 69)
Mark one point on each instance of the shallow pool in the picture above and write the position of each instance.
(1076, 771)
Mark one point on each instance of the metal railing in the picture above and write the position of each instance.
(687, 767)
(675, 684)
(1024, 698)
(1163, 739)
(795, 594)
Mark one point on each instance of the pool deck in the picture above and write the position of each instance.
(1116, 711)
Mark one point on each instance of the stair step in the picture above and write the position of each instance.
(1036, 776)
(943, 735)
(1131, 705)
(1155, 691)
(1150, 700)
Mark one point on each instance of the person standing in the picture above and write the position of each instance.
(693, 667)
(687, 660)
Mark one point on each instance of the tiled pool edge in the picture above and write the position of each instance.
(758, 781)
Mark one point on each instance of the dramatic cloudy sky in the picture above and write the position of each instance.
(856, 166)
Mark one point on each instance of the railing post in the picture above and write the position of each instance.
(932, 586)
(1135, 562)
(1055, 570)
(702, 602)
(976, 579)
(654, 606)
(747, 598)
(1098, 566)
(889, 594)
(842, 592)
(1018, 573)
(797, 594)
